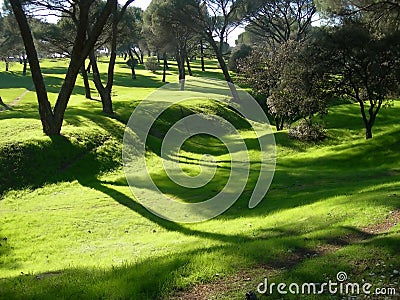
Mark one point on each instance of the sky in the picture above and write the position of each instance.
(231, 39)
(143, 4)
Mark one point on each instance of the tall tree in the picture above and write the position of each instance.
(212, 19)
(293, 86)
(363, 66)
(278, 21)
(165, 33)
(52, 119)
(59, 39)
(105, 91)
(130, 33)
(383, 15)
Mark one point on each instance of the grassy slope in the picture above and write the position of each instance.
(74, 231)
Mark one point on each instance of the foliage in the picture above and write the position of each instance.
(379, 15)
(307, 132)
(11, 44)
(287, 77)
(240, 53)
(363, 66)
(279, 21)
(152, 64)
(132, 62)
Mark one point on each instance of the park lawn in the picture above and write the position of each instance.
(70, 228)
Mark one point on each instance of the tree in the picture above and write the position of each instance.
(52, 119)
(165, 33)
(240, 53)
(212, 19)
(278, 21)
(288, 79)
(383, 15)
(106, 90)
(59, 39)
(129, 36)
(364, 66)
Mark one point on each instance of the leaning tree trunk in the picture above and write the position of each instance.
(105, 95)
(89, 67)
(132, 63)
(45, 112)
(188, 65)
(105, 91)
(221, 59)
(202, 56)
(86, 83)
(52, 121)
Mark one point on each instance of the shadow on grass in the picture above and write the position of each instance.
(161, 277)
(9, 80)
(7, 260)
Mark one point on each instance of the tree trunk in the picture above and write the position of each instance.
(221, 59)
(373, 112)
(188, 66)
(45, 112)
(158, 57)
(165, 68)
(132, 63)
(202, 56)
(139, 57)
(25, 62)
(181, 65)
(103, 92)
(52, 122)
(368, 132)
(86, 83)
(89, 67)
(282, 123)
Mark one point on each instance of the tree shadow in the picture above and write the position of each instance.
(7, 260)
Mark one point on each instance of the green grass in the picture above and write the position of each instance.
(74, 230)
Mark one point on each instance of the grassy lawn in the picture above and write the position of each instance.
(71, 229)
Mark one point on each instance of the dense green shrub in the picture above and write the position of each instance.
(152, 64)
(241, 53)
(307, 132)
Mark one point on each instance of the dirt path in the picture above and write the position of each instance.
(16, 100)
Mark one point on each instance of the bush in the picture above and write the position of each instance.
(307, 132)
(152, 64)
(241, 53)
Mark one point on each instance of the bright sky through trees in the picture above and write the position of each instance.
(143, 4)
